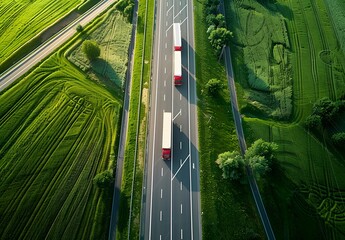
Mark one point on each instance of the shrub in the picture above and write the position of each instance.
(79, 28)
(104, 179)
(213, 86)
(339, 138)
(232, 165)
(313, 121)
(91, 49)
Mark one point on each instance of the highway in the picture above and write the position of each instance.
(171, 196)
(23, 66)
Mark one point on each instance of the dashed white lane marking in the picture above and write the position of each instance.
(180, 96)
(161, 193)
(180, 162)
(180, 145)
(164, 101)
(193, 166)
(160, 216)
(181, 233)
(165, 83)
(181, 185)
(180, 128)
(162, 168)
(181, 208)
(165, 70)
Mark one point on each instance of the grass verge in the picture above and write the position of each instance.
(227, 208)
(134, 161)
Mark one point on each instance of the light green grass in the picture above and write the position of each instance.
(20, 21)
(307, 186)
(228, 210)
(112, 35)
(59, 129)
(140, 82)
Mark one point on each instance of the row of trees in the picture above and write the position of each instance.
(259, 156)
(218, 34)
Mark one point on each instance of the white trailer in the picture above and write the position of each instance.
(177, 68)
(177, 37)
(166, 139)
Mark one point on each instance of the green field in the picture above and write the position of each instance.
(58, 129)
(307, 187)
(20, 21)
(228, 209)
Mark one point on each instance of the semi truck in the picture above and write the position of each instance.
(177, 68)
(177, 37)
(166, 139)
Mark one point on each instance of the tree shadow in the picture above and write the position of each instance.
(107, 76)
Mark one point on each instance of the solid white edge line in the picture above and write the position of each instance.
(154, 129)
(190, 147)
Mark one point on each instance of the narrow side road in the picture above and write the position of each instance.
(124, 129)
(239, 130)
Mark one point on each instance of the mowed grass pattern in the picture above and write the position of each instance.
(113, 37)
(20, 21)
(308, 186)
(57, 132)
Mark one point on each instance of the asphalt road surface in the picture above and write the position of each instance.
(20, 68)
(171, 196)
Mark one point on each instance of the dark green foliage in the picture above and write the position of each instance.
(259, 156)
(232, 165)
(325, 110)
(219, 37)
(313, 121)
(216, 20)
(104, 179)
(262, 148)
(128, 12)
(339, 138)
(79, 28)
(213, 86)
(209, 3)
(91, 49)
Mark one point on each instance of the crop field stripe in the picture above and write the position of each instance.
(313, 56)
(28, 125)
(33, 146)
(298, 66)
(68, 169)
(329, 77)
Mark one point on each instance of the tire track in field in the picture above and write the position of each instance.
(87, 156)
(39, 164)
(41, 211)
(58, 126)
(108, 43)
(313, 56)
(22, 132)
(298, 64)
(325, 46)
(92, 169)
(83, 139)
(313, 180)
(21, 124)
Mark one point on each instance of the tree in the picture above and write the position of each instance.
(232, 165)
(79, 28)
(326, 109)
(213, 86)
(259, 164)
(339, 138)
(217, 20)
(313, 121)
(218, 38)
(104, 179)
(128, 11)
(91, 49)
(259, 156)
